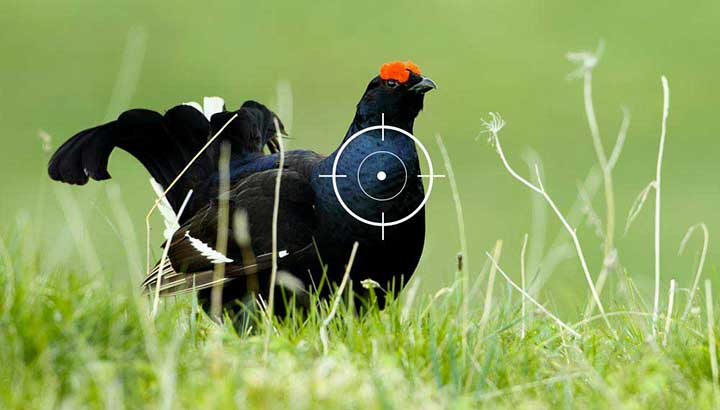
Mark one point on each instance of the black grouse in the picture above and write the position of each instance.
(375, 173)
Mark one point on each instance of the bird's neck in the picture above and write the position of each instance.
(367, 143)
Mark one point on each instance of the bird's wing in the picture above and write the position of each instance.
(255, 195)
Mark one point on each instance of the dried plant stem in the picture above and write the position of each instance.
(276, 208)
(172, 184)
(701, 265)
(668, 317)
(531, 299)
(571, 231)
(604, 167)
(222, 230)
(336, 301)
(591, 183)
(523, 284)
(658, 186)
(487, 307)
(163, 258)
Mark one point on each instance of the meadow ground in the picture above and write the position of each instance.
(73, 340)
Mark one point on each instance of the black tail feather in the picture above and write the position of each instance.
(163, 144)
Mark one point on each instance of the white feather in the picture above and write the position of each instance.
(169, 216)
(210, 106)
(206, 251)
(213, 105)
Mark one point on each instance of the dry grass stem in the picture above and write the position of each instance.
(531, 299)
(222, 230)
(493, 127)
(701, 265)
(658, 186)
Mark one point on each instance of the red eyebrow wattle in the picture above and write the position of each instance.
(398, 70)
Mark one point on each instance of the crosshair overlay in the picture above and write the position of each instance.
(382, 175)
(382, 223)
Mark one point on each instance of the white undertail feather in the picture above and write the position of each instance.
(206, 251)
(210, 106)
(172, 224)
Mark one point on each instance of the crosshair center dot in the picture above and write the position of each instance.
(381, 176)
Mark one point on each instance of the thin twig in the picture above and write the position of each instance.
(530, 298)
(663, 133)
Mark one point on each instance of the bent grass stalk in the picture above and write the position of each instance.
(701, 265)
(531, 299)
(591, 184)
(605, 169)
(494, 126)
(658, 186)
(336, 301)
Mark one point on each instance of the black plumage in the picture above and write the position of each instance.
(313, 227)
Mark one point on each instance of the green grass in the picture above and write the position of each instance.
(76, 340)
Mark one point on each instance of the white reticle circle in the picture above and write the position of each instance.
(381, 175)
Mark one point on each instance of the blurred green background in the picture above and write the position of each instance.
(69, 65)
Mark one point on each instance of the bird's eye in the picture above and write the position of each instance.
(392, 83)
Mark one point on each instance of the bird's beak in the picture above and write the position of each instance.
(423, 86)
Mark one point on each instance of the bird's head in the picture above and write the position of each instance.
(398, 92)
